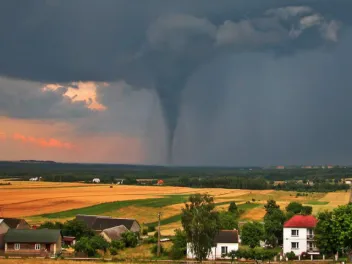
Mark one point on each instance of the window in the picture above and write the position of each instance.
(17, 246)
(294, 245)
(294, 232)
(223, 250)
(37, 246)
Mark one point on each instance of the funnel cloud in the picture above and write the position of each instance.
(203, 60)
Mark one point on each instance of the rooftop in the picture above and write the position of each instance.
(301, 221)
(227, 236)
(32, 236)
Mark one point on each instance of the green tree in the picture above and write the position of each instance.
(233, 208)
(307, 210)
(179, 244)
(77, 229)
(130, 239)
(227, 221)
(294, 207)
(273, 226)
(201, 224)
(252, 234)
(326, 238)
(90, 245)
(271, 205)
(117, 244)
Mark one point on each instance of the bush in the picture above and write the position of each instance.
(291, 255)
(151, 240)
(113, 251)
(90, 245)
(179, 245)
(156, 234)
(145, 232)
(117, 244)
(130, 239)
(154, 250)
(151, 228)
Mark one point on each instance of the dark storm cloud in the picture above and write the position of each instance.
(156, 44)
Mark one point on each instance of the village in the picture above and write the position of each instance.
(89, 236)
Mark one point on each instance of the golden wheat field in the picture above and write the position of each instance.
(33, 199)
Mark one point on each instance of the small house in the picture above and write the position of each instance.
(113, 233)
(96, 180)
(69, 241)
(225, 242)
(119, 181)
(33, 242)
(16, 223)
(160, 182)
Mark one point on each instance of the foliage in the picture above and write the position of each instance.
(291, 255)
(117, 244)
(151, 240)
(273, 225)
(228, 221)
(156, 234)
(179, 244)
(233, 208)
(90, 245)
(51, 225)
(271, 205)
(252, 234)
(254, 253)
(113, 251)
(77, 229)
(294, 207)
(154, 249)
(145, 232)
(130, 239)
(307, 210)
(201, 223)
(151, 228)
(334, 232)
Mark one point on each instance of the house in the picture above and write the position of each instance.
(3, 230)
(96, 180)
(33, 242)
(35, 179)
(99, 223)
(119, 181)
(146, 181)
(68, 241)
(16, 223)
(113, 233)
(160, 182)
(298, 235)
(225, 242)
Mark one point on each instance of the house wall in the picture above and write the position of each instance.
(3, 230)
(301, 239)
(135, 227)
(27, 249)
(215, 251)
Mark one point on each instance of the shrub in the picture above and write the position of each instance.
(151, 228)
(151, 240)
(130, 239)
(154, 250)
(291, 255)
(117, 244)
(113, 251)
(145, 232)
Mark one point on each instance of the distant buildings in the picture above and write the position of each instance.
(96, 180)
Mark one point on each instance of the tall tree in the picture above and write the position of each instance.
(227, 221)
(326, 238)
(233, 208)
(252, 234)
(201, 224)
(294, 207)
(271, 205)
(273, 226)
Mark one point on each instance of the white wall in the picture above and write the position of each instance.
(301, 239)
(215, 251)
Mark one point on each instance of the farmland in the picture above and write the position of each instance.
(42, 201)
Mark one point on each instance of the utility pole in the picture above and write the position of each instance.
(158, 252)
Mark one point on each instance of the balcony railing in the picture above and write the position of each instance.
(310, 236)
(312, 249)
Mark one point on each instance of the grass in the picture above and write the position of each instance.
(112, 206)
(313, 202)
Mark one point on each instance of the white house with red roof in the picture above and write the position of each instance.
(299, 235)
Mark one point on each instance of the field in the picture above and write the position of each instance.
(42, 201)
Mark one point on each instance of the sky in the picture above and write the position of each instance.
(203, 82)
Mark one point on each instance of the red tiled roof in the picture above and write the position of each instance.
(304, 221)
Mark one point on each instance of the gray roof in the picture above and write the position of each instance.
(103, 222)
(114, 233)
(32, 236)
(226, 236)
